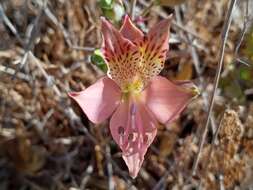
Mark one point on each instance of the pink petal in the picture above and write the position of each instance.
(114, 41)
(99, 100)
(130, 31)
(134, 162)
(158, 35)
(133, 128)
(153, 49)
(118, 52)
(167, 100)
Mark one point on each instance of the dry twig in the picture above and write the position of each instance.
(224, 36)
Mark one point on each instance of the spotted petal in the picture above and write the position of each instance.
(133, 128)
(153, 48)
(167, 100)
(99, 100)
(120, 54)
(137, 60)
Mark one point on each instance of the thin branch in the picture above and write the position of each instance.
(45, 119)
(196, 63)
(7, 21)
(21, 65)
(148, 8)
(11, 72)
(210, 153)
(242, 35)
(165, 15)
(132, 8)
(86, 177)
(221, 182)
(65, 33)
(111, 185)
(32, 35)
(224, 36)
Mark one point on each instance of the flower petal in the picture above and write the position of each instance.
(114, 41)
(119, 54)
(137, 60)
(167, 100)
(134, 163)
(133, 128)
(130, 31)
(158, 35)
(99, 100)
(153, 49)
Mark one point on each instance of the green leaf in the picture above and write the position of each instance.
(114, 13)
(106, 4)
(245, 73)
(119, 12)
(98, 60)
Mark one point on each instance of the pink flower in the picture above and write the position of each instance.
(136, 98)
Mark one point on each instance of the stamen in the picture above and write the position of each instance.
(121, 139)
(121, 132)
(133, 109)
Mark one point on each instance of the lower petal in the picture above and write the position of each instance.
(99, 100)
(167, 100)
(134, 162)
(133, 128)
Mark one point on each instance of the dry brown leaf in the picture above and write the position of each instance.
(25, 156)
(185, 72)
(171, 2)
(225, 159)
(168, 140)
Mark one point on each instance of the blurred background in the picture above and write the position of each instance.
(49, 48)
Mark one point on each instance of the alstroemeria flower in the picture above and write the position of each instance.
(132, 93)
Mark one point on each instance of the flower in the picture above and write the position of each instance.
(132, 93)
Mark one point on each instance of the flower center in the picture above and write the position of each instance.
(134, 87)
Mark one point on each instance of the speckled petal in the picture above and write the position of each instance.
(130, 55)
(133, 128)
(153, 49)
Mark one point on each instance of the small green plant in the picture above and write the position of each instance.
(98, 60)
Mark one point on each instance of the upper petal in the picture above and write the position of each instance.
(134, 128)
(119, 54)
(165, 99)
(130, 31)
(153, 49)
(158, 35)
(114, 41)
(137, 60)
(99, 100)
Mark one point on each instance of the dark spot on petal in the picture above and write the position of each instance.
(121, 130)
(130, 136)
(151, 37)
(145, 139)
(145, 38)
(160, 56)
